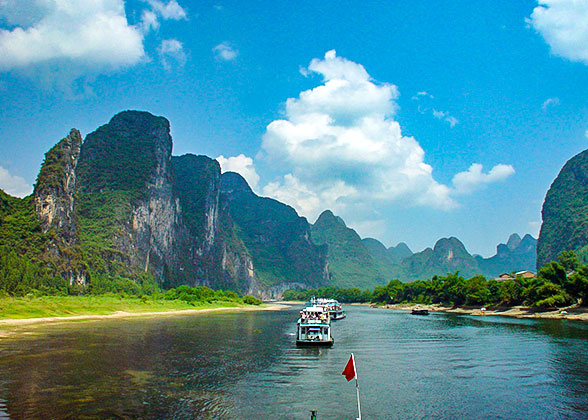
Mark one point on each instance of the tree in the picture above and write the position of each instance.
(569, 261)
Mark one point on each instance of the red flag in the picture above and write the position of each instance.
(349, 371)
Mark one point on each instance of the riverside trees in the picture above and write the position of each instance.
(559, 283)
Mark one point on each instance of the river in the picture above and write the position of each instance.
(244, 365)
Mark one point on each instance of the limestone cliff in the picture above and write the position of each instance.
(126, 209)
(210, 250)
(54, 204)
(565, 213)
(140, 210)
(55, 187)
(117, 209)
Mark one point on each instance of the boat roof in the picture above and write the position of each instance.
(314, 309)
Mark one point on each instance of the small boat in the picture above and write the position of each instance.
(314, 327)
(419, 311)
(336, 311)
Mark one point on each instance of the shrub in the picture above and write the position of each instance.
(250, 300)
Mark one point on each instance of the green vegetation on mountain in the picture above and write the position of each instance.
(277, 238)
(196, 183)
(350, 263)
(117, 163)
(23, 264)
(52, 168)
(121, 155)
(118, 214)
(565, 213)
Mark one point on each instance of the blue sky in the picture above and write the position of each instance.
(411, 120)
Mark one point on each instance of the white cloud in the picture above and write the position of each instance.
(14, 184)
(224, 51)
(444, 115)
(94, 33)
(422, 94)
(149, 21)
(340, 141)
(170, 10)
(339, 147)
(474, 178)
(425, 103)
(564, 26)
(550, 102)
(241, 164)
(586, 134)
(171, 51)
(66, 43)
(310, 200)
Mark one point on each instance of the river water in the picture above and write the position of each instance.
(246, 366)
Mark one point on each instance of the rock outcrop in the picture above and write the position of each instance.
(54, 204)
(55, 188)
(126, 208)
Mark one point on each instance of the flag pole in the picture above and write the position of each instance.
(357, 389)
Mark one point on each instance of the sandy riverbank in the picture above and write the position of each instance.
(122, 314)
(573, 313)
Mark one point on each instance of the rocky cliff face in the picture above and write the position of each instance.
(209, 249)
(565, 213)
(139, 212)
(54, 204)
(126, 208)
(55, 188)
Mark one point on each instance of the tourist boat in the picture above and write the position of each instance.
(335, 310)
(314, 327)
(420, 311)
(331, 305)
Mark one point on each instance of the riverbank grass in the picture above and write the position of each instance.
(64, 306)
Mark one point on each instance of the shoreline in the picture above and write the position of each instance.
(15, 322)
(574, 313)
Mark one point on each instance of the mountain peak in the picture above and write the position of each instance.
(136, 118)
(232, 182)
(327, 217)
(374, 244)
(449, 243)
(514, 241)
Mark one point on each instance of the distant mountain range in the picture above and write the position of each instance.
(116, 208)
(367, 262)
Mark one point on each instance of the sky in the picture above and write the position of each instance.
(412, 121)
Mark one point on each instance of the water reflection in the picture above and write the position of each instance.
(245, 365)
